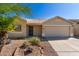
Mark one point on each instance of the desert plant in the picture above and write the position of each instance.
(6, 24)
(7, 21)
(34, 41)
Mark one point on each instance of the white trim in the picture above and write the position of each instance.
(56, 25)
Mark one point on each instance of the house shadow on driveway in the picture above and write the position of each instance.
(59, 38)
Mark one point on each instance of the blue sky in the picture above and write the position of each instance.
(49, 10)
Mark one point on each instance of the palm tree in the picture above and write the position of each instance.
(7, 20)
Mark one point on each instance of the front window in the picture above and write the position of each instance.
(17, 27)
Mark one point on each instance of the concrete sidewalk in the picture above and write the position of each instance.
(66, 47)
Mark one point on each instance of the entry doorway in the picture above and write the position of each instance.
(30, 30)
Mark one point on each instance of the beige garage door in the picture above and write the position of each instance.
(56, 31)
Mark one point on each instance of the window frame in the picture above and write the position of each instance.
(19, 28)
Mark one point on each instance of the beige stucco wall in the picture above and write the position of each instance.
(19, 34)
(71, 28)
(37, 30)
(76, 29)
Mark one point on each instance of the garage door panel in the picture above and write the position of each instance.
(56, 31)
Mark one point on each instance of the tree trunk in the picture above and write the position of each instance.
(3, 38)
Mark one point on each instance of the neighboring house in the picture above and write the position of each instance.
(54, 27)
(75, 26)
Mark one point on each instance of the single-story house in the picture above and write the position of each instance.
(54, 27)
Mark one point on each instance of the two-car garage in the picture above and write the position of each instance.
(56, 31)
(57, 27)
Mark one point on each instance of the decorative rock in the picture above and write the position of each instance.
(41, 51)
(19, 52)
(28, 50)
(35, 51)
(23, 46)
(7, 50)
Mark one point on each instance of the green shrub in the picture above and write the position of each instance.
(34, 41)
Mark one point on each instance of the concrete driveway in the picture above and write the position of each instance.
(68, 47)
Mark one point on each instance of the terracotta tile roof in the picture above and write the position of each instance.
(37, 22)
(41, 21)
